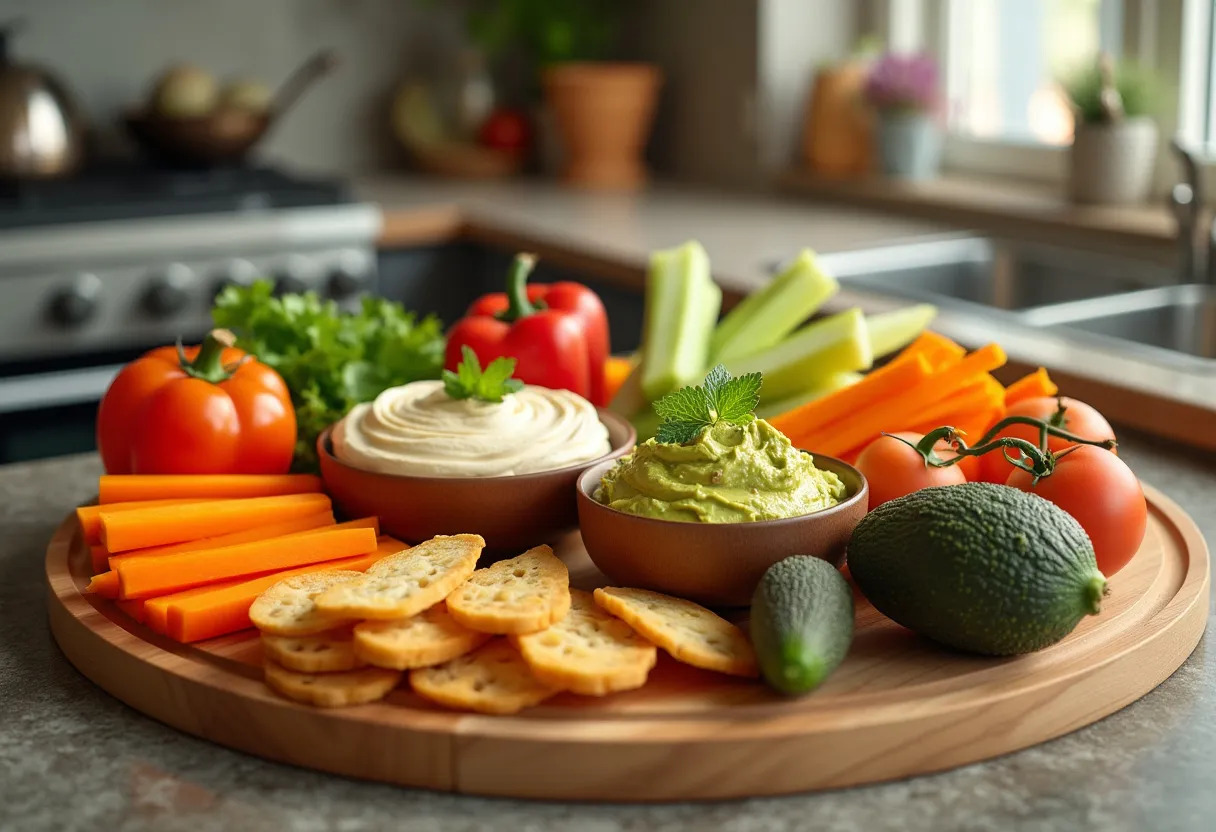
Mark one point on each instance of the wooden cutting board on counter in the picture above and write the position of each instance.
(898, 706)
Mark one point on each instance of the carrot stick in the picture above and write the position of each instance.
(322, 520)
(159, 525)
(904, 412)
(1032, 386)
(121, 488)
(985, 393)
(99, 558)
(224, 608)
(144, 577)
(882, 384)
(133, 608)
(90, 516)
(104, 584)
(937, 349)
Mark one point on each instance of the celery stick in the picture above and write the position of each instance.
(682, 305)
(837, 344)
(892, 330)
(766, 316)
(822, 387)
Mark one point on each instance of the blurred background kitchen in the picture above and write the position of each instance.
(153, 151)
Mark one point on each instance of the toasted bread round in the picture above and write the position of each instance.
(430, 637)
(524, 594)
(589, 651)
(408, 582)
(332, 690)
(289, 607)
(686, 630)
(493, 679)
(322, 653)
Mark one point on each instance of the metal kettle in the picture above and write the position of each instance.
(41, 134)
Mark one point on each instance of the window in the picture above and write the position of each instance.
(1004, 60)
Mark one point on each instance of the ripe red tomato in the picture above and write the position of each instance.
(161, 416)
(1102, 494)
(507, 130)
(1079, 419)
(892, 469)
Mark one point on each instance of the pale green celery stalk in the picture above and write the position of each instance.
(890, 331)
(682, 305)
(769, 314)
(821, 388)
(836, 344)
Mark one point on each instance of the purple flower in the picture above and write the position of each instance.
(903, 82)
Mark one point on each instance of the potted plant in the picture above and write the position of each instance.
(1114, 147)
(903, 90)
(602, 110)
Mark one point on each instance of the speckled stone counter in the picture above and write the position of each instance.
(73, 758)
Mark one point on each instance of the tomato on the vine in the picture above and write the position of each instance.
(1079, 419)
(1102, 494)
(893, 469)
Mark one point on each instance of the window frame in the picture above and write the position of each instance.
(1175, 51)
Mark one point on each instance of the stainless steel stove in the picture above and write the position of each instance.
(96, 269)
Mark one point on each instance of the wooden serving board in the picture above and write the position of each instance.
(898, 706)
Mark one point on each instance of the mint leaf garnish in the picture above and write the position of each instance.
(689, 410)
(488, 385)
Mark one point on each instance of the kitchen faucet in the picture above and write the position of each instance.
(1196, 243)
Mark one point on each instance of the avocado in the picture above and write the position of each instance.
(801, 623)
(980, 567)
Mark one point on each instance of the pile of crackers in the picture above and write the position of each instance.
(493, 640)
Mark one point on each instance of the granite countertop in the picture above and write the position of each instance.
(73, 758)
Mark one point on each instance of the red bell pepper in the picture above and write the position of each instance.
(557, 333)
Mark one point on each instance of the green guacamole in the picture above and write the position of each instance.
(729, 474)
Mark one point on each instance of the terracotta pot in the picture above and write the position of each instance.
(604, 114)
(1112, 164)
(838, 129)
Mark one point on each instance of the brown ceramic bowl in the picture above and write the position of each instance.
(718, 564)
(512, 513)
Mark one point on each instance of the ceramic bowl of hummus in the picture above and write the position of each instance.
(705, 520)
(427, 464)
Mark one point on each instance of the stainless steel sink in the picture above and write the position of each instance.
(991, 274)
(1174, 319)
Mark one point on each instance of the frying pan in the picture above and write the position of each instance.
(229, 133)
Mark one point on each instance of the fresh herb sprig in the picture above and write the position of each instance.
(689, 410)
(470, 381)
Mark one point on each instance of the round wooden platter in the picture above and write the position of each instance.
(898, 706)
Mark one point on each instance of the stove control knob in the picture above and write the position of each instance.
(343, 283)
(74, 305)
(236, 273)
(169, 293)
(286, 283)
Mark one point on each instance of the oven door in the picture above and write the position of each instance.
(51, 411)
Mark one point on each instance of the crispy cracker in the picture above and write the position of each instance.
(686, 630)
(524, 594)
(430, 637)
(289, 607)
(332, 690)
(589, 651)
(408, 582)
(322, 653)
(493, 679)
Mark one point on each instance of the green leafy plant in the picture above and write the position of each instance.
(331, 360)
(489, 385)
(547, 31)
(689, 410)
(1137, 86)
